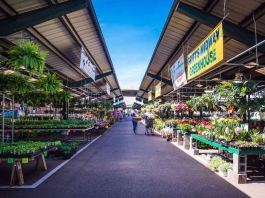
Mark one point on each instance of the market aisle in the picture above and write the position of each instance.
(120, 164)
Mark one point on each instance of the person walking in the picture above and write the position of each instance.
(120, 115)
(134, 120)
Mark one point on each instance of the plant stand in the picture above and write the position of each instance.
(186, 141)
(179, 139)
(193, 146)
(238, 174)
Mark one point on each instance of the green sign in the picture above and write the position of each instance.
(10, 160)
(45, 154)
(25, 160)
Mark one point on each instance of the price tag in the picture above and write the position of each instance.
(83, 130)
(74, 130)
(16, 131)
(45, 154)
(10, 160)
(52, 131)
(30, 131)
(38, 131)
(68, 131)
(57, 131)
(25, 160)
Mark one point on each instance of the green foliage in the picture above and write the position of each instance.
(26, 54)
(23, 147)
(185, 127)
(159, 124)
(215, 163)
(225, 167)
(143, 109)
(15, 83)
(246, 144)
(48, 83)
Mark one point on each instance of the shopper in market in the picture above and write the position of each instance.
(120, 115)
(134, 120)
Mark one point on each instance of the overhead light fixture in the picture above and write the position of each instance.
(238, 77)
(261, 70)
(9, 72)
(216, 79)
(199, 85)
(251, 65)
(32, 79)
(208, 89)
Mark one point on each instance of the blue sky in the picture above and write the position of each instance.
(131, 29)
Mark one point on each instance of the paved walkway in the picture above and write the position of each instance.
(120, 164)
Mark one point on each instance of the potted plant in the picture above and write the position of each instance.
(223, 169)
(26, 54)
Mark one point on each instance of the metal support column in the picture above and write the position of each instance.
(13, 111)
(3, 117)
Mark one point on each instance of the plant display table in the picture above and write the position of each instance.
(239, 158)
(18, 160)
(183, 138)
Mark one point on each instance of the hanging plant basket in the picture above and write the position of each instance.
(26, 54)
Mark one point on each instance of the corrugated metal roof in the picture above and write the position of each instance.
(177, 27)
(63, 38)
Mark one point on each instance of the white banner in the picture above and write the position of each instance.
(86, 65)
(108, 88)
(114, 100)
(178, 74)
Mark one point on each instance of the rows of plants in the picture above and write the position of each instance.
(24, 147)
(49, 124)
(226, 131)
(67, 149)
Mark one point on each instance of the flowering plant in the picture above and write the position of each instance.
(229, 134)
(181, 107)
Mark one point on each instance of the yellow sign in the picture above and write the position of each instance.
(158, 90)
(207, 53)
(150, 95)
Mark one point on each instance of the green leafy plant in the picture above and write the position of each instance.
(26, 54)
(215, 163)
(185, 127)
(225, 167)
(49, 83)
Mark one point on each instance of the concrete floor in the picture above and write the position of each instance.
(120, 164)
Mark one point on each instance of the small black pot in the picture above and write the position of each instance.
(67, 156)
(58, 153)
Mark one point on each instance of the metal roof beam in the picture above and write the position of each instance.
(105, 93)
(166, 81)
(144, 90)
(258, 13)
(208, 8)
(230, 29)
(29, 19)
(89, 80)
